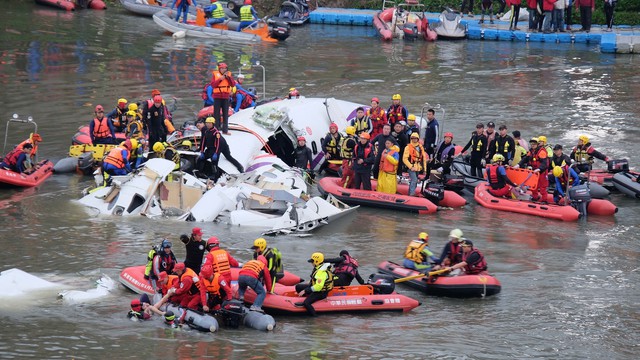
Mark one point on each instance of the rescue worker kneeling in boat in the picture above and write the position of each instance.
(188, 293)
(583, 154)
(561, 175)
(17, 160)
(473, 262)
(451, 253)
(345, 269)
(117, 161)
(319, 286)
(166, 286)
(498, 179)
(214, 290)
(254, 274)
(418, 256)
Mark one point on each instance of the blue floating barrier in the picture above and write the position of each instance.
(490, 34)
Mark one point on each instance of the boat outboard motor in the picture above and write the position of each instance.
(279, 30)
(381, 283)
(232, 313)
(434, 192)
(410, 31)
(616, 166)
(580, 197)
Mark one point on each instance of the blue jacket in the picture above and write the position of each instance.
(576, 181)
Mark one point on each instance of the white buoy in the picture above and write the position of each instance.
(179, 34)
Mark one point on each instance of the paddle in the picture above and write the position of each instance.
(431, 273)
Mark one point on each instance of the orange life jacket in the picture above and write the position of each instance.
(255, 266)
(171, 282)
(224, 86)
(211, 287)
(194, 287)
(220, 261)
(387, 166)
(415, 156)
(101, 128)
(115, 157)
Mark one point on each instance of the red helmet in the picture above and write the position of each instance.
(333, 126)
(376, 100)
(222, 65)
(449, 135)
(247, 2)
(127, 144)
(155, 92)
(99, 108)
(179, 267)
(206, 271)
(301, 138)
(136, 305)
(162, 276)
(213, 241)
(157, 98)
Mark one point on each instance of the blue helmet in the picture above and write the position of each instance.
(165, 244)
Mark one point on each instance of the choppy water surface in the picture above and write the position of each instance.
(569, 290)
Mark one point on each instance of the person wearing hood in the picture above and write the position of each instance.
(345, 269)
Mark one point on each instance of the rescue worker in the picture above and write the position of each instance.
(244, 99)
(34, 139)
(363, 159)
(345, 269)
(396, 112)
(362, 123)
(543, 142)
(187, 294)
(17, 160)
(561, 175)
(583, 154)
(210, 149)
(378, 117)
(431, 133)
(214, 13)
(117, 161)
(304, 159)
(443, 155)
(319, 286)
(195, 247)
(101, 129)
(167, 152)
(387, 181)
(273, 258)
(538, 160)
(558, 159)
(451, 253)
(167, 285)
(138, 308)
(117, 116)
(478, 146)
(379, 144)
(182, 7)
(186, 145)
(412, 127)
(415, 159)
(418, 256)
(220, 260)
(331, 146)
(293, 93)
(222, 82)
(497, 178)
(502, 144)
(155, 115)
(214, 290)
(135, 128)
(254, 274)
(136, 156)
(163, 260)
(490, 133)
(473, 262)
(346, 153)
(248, 15)
(226, 151)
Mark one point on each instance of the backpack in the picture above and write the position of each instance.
(277, 259)
(203, 95)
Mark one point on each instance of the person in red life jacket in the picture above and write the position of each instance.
(101, 129)
(34, 139)
(473, 262)
(345, 269)
(250, 276)
(443, 155)
(273, 257)
(361, 122)
(214, 290)
(418, 256)
(331, 146)
(293, 94)
(195, 247)
(583, 154)
(319, 286)
(387, 180)
(222, 82)
(182, 7)
(117, 161)
(502, 144)
(168, 121)
(187, 294)
(220, 260)
(117, 116)
(346, 152)
(154, 114)
(452, 252)
(163, 261)
(244, 99)
(378, 117)
(363, 160)
(415, 159)
(379, 144)
(17, 160)
(478, 145)
(304, 158)
(397, 112)
(210, 149)
(497, 177)
(538, 160)
(561, 175)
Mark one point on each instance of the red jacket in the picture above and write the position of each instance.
(531, 4)
(590, 3)
(513, 2)
(547, 5)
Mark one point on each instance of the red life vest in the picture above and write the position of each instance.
(535, 158)
(454, 252)
(367, 150)
(495, 180)
(476, 268)
(12, 157)
(247, 99)
(179, 3)
(565, 176)
(115, 158)
(101, 128)
(396, 114)
(349, 266)
(378, 119)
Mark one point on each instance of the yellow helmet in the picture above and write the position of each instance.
(158, 147)
(133, 107)
(210, 119)
(316, 258)
(131, 113)
(122, 101)
(260, 244)
(497, 157)
(542, 139)
(423, 236)
(584, 139)
(351, 130)
(415, 135)
(186, 143)
(134, 144)
(396, 97)
(292, 89)
(557, 171)
(411, 117)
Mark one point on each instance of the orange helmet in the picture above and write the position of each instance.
(365, 135)
(333, 126)
(247, 2)
(449, 135)
(301, 138)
